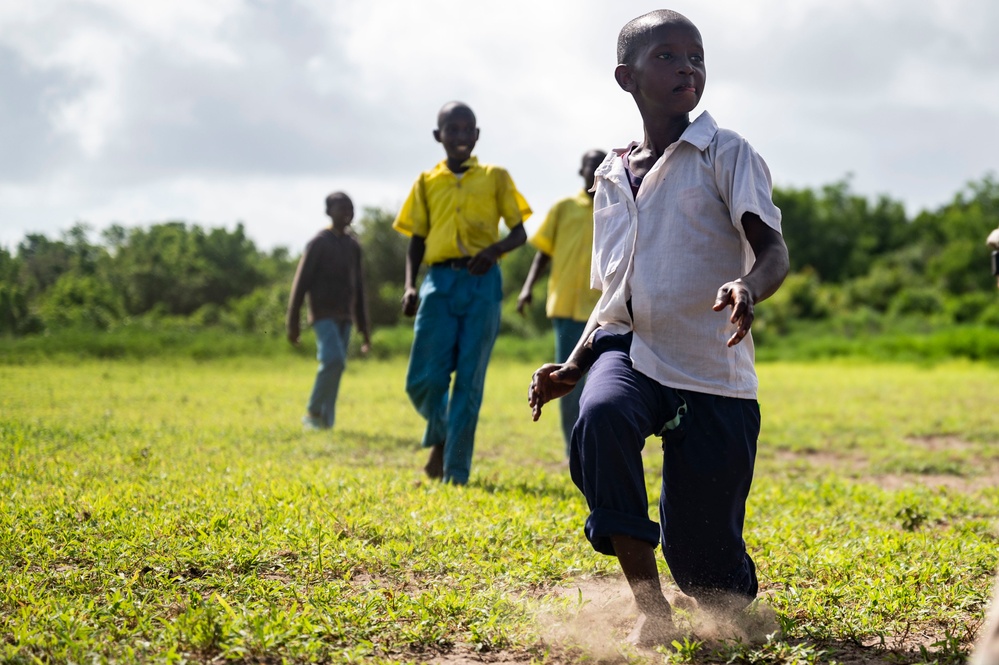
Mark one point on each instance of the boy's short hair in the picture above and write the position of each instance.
(450, 108)
(338, 196)
(636, 32)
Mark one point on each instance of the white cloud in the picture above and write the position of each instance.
(136, 112)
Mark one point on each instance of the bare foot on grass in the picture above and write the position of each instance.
(653, 630)
(435, 465)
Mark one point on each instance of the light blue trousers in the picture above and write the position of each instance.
(567, 334)
(456, 326)
(331, 351)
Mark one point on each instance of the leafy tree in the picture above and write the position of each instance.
(42, 262)
(78, 300)
(836, 233)
(182, 268)
(953, 238)
(384, 257)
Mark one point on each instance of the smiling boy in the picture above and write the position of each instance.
(684, 229)
(452, 216)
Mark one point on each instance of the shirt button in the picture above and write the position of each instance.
(458, 209)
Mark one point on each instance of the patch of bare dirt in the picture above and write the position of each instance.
(589, 621)
(856, 465)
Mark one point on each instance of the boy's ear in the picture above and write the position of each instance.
(437, 135)
(622, 74)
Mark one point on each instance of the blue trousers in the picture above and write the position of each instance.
(709, 451)
(331, 351)
(567, 334)
(456, 326)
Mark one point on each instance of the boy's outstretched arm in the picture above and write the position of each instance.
(538, 265)
(553, 380)
(761, 282)
(414, 257)
(484, 260)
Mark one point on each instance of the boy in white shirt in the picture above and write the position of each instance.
(684, 228)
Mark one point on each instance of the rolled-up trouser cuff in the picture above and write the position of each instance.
(603, 523)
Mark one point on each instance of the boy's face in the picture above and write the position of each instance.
(341, 212)
(591, 161)
(668, 73)
(457, 132)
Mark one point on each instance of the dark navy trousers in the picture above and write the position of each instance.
(709, 451)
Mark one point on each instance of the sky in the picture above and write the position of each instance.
(251, 111)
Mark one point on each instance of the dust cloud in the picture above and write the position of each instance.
(596, 615)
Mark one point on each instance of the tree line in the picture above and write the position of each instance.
(852, 257)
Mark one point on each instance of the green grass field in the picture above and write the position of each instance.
(174, 510)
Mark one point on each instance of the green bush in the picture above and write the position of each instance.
(801, 297)
(81, 301)
(262, 311)
(969, 307)
(876, 289)
(918, 300)
(15, 317)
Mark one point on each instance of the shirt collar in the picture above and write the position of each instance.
(698, 134)
(472, 163)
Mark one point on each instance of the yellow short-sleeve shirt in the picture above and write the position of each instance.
(459, 215)
(566, 235)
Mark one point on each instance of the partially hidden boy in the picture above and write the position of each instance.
(452, 216)
(329, 276)
(564, 241)
(686, 242)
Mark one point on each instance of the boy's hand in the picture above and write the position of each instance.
(293, 335)
(738, 295)
(523, 300)
(484, 260)
(410, 299)
(549, 382)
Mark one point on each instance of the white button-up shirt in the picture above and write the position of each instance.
(669, 248)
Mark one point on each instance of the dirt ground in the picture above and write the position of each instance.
(603, 611)
(597, 628)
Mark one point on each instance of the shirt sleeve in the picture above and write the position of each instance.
(744, 183)
(544, 237)
(414, 217)
(302, 283)
(513, 206)
(360, 303)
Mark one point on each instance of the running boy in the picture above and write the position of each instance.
(329, 273)
(452, 216)
(684, 228)
(565, 240)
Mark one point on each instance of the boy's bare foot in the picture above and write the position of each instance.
(435, 465)
(653, 630)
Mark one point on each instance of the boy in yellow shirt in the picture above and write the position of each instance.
(452, 216)
(565, 240)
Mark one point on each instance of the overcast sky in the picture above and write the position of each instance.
(214, 112)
